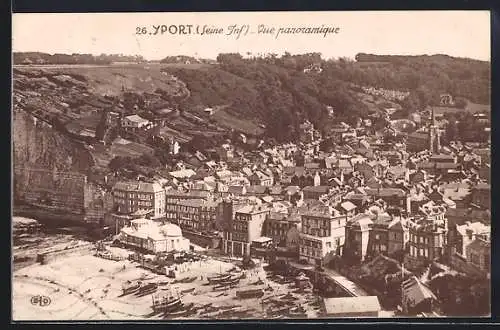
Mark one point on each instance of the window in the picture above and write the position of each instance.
(421, 252)
(328, 245)
(377, 236)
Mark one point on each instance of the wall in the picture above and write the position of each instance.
(45, 258)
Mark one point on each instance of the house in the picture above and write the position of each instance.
(428, 240)
(394, 197)
(258, 191)
(258, 178)
(322, 235)
(418, 176)
(359, 200)
(364, 306)
(357, 237)
(315, 192)
(130, 197)
(246, 227)
(458, 192)
(225, 151)
(379, 234)
(461, 236)
(152, 237)
(479, 253)
(398, 236)
(279, 226)
(481, 195)
(135, 122)
(344, 165)
(417, 297)
(209, 111)
(237, 190)
(196, 214)
(396, 172)
(348, 208)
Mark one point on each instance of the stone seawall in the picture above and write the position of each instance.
(80, 250)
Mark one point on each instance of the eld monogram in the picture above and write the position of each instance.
(42, 301)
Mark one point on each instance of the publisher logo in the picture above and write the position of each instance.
(41, 301)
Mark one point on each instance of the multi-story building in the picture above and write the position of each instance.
(130, 197)
(394, 197)
(379, 235)
(429, 233)
(197, 214)
(479, 253)
(245, 227)
(279, 227)
(461, 236)
(428, 240)
(398, 235)
(357, 235)
(322, 235)
(172, 198)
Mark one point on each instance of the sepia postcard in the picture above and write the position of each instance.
(251, 165)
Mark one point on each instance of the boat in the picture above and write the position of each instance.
(166, 302)
(131, 287)
(252, 293)
(230, 281)
(225, 285)
(278, 311)
(186, 280)
(148, 288)
(218, 278)
(187, 290)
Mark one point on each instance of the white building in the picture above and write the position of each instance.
(135, 122)
(153, 237)
(322, 235)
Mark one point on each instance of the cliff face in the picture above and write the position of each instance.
(40, 152)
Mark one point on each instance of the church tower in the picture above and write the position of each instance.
(434, 138)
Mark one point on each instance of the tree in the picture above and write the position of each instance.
(118, 163)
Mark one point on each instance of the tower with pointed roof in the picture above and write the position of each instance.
(434, 135)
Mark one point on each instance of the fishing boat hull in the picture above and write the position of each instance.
(167, 305)
(218, 279)
(250, 294)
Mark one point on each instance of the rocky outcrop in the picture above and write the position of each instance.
(41, 153)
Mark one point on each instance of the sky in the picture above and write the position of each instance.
(454, 33)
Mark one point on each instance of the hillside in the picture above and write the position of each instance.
(268, 96)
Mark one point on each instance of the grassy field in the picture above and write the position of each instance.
(111, 79)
